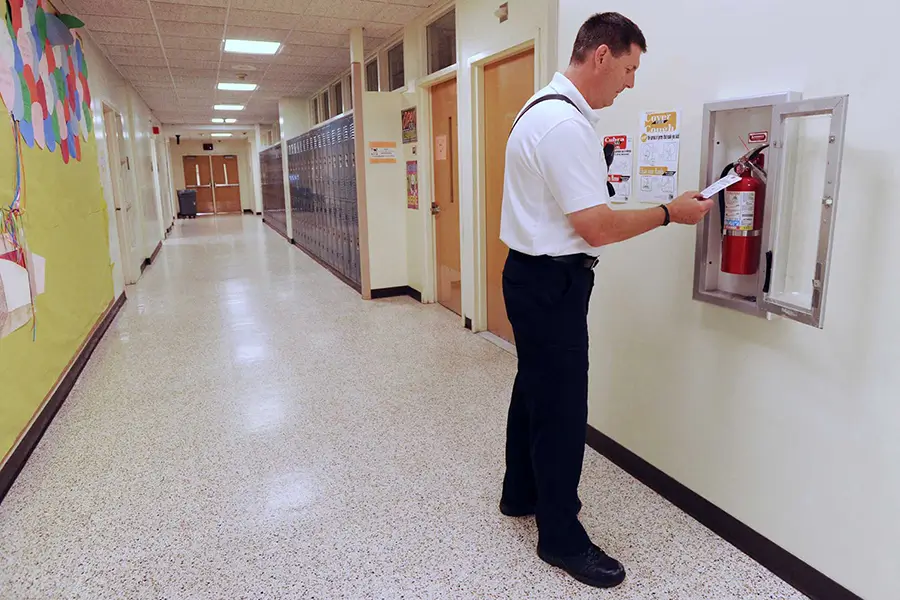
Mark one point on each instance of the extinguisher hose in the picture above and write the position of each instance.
(725, 171)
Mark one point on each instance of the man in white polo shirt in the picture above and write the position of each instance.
(555, 219)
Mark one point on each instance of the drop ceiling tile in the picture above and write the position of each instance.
(190, 30)
(298, 61)
(138, 61)
(133, 51)
(190, 63)
(214, 3)
(255, 33)
(296, 7)
(186, 13)
(309, 38)
(380, 30)
(124, 39)
(136, 9)
(208, 93)
(420, 3)
(120, 25)
(328, 25)
(146, 73)
(398, 13)
(171, 42)
(261, 18)
(204, 56)
(157, 84)
(345, 9)
(314, 51)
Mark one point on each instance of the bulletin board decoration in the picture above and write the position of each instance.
(21, 271)
(44, 77)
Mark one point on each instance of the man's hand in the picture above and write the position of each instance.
(689, 208)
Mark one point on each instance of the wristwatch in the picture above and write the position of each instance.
(666, 209)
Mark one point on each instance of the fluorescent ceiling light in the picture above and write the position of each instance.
(231, 120)
(218, 120)
(221, 135)
(251, 47)
(237, 87)
(229, 107)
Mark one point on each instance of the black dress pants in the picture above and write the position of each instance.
(547, 303)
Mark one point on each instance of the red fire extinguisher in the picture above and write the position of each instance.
(741, 206)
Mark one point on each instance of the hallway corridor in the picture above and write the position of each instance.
(250, 428)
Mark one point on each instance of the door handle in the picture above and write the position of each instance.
(435, 209)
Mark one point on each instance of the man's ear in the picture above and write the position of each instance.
(601, 54)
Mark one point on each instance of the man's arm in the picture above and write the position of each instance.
(601, 225)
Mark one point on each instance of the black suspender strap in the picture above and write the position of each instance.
(609, 150)
(544, 99)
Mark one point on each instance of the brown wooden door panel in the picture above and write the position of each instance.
(508, 84)
(445, 160)
(227, 182)
(197, 176)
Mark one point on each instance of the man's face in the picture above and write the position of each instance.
(612, 74)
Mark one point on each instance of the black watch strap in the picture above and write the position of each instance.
(668, 219)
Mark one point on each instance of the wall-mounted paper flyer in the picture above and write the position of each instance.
(620, 171)
(658, 156)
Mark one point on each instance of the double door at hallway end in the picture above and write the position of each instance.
(216, 180)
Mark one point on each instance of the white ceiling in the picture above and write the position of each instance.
(171, 50)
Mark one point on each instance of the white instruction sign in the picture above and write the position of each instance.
(720, 185)
(620, 170)
(658, 156)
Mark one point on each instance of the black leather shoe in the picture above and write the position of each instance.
(593, 567)
(521, 511)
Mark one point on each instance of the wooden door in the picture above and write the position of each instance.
(445, 159)
(197, 177)
(508, 84)
(127, 222)
(228, 184)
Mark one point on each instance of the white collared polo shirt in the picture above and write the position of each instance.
(554, 167)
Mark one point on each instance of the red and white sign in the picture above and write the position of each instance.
(759, 137)
(619, 141)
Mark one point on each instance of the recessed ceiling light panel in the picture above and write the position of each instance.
(251, 47)
(237, 87)
(229, 107)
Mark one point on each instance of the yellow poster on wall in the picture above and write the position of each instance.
(57, 279)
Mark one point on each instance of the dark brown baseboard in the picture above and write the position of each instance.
(149, 261)
(20, 454)
(803, 577)
(393, 292)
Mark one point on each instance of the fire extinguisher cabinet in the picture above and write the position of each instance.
(765, 247)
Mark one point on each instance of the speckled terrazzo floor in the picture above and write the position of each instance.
(249, 428)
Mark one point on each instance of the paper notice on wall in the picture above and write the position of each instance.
(440, 147)
(658, 156)
(620, 170)
(382, 152)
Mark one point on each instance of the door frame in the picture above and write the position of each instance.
(114, 163)
(476, 65)
(424, 154)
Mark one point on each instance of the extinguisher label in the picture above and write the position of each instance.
(739, 210)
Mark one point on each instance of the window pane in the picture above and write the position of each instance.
(372, 76)
(395, 67)
(316, 110)
(338, 98)
(325, 112)
(442, 42)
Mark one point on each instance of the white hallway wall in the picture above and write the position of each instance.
(790, 429)
(108, 87)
